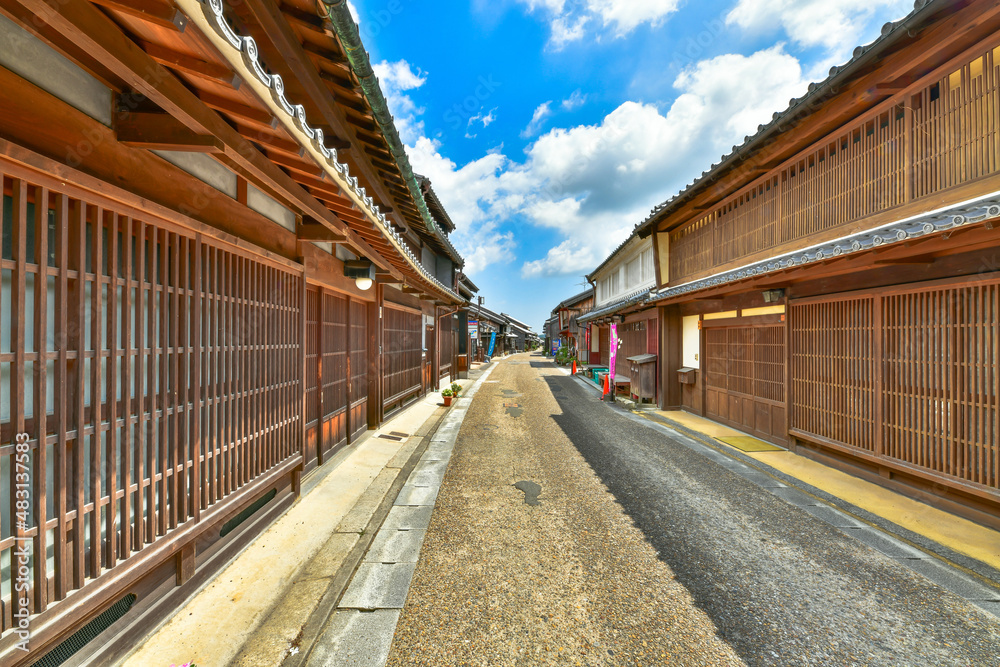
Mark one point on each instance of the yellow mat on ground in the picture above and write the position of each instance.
(745, 443)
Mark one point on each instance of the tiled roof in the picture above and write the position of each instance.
(616, 305)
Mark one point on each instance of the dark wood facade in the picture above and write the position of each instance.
(179, 343)
(866, 216)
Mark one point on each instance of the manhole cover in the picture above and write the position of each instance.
(531, 492)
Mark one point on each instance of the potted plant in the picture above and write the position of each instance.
(456, 389)
(446, 394)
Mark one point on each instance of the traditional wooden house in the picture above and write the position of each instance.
(832, 284)
(569, 333)
(517, 334)
(622, 286)
(466, 340)
(217, 269)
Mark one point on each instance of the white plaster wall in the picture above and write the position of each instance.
(25, 55)
(691, 353)
(269, 208)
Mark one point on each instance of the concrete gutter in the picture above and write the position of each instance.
(357, 619)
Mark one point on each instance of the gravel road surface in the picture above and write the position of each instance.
(642, 552)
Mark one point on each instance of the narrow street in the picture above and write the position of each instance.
(643, 552)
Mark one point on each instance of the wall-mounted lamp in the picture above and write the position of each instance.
(363, 272)
(773, 295)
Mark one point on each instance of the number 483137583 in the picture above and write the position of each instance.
(22, 480)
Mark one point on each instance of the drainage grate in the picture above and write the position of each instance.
(399, 434)
(231, 525)
(86, 634)
(390, 437)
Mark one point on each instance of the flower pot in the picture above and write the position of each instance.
(447, 401)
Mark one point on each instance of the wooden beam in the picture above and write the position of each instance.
(242, 111)
(330, 57)
(331, 139)
(161, 131)
(912, 261)
(295, 164)
(151, 11)
(270, 141)
(896, 85)
(191, 65)
(317, 231)
(344, 85)
(308, 20)
(85, 25)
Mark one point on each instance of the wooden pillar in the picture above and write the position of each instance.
(375, 360)
(184, 563)
(671, 347)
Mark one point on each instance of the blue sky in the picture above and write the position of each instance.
(550, 128)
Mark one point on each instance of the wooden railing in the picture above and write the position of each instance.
(939, 136)
(154, 373)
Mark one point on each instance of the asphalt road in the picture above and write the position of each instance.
(643, 552)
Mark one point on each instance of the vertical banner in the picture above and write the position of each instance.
(493, 342)
(613, 354)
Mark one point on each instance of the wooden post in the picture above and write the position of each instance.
(184, 563)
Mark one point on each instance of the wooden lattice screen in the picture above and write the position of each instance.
(922, 363)
(446, 337)
(154, 371)
(833, 370)
(333, 373)
(402, 354)
(943, 135)
(359, 368)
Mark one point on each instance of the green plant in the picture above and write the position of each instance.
(447, 392)
(456, 389)
(565, 356)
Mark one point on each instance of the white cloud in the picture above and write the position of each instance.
(627, 15)
(574, 101)
(397, 78)
(836, 25)
(590, 184)
(538, 118)
(568, 19)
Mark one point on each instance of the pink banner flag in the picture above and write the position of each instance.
(613, 355)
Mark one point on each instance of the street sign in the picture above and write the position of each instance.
(474, 328)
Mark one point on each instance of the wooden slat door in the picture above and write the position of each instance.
(333, 374)
(312, 379)
(358, 359)
(745, 379)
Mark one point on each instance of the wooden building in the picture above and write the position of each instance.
(568, 331)
(622, 286)
(218, 268)
(833, 284)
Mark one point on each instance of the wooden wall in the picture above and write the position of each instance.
(937, 136)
